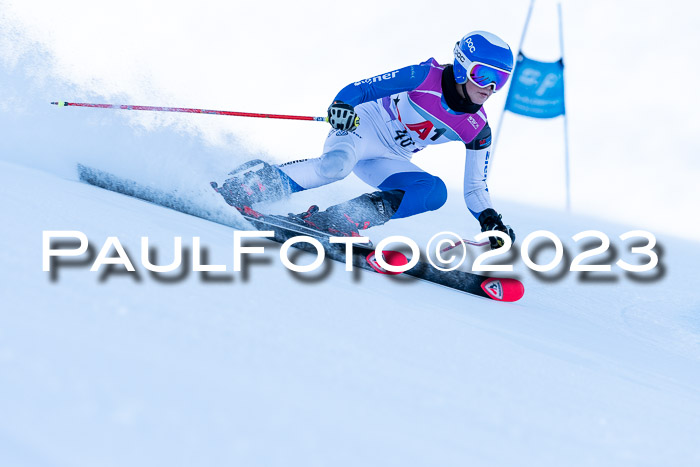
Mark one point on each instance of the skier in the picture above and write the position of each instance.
(378, 124)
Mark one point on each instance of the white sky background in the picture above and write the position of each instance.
(634, 150)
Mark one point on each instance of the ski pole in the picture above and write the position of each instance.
(464, 241)
(192, 111)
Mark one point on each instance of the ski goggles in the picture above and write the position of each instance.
(481, 74)
(485, 75)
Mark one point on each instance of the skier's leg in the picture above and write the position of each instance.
(421, 191)
(345, 219)
(340, 154)
(257, 181)
(365, 211)
(404, 190)
(253, 182)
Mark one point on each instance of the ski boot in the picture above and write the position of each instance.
(348, 218)
(253, 182)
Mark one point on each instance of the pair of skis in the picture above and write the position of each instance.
(499, 289)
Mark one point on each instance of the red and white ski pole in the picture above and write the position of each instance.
(191, 111)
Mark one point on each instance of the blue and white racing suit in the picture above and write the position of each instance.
(401, 112)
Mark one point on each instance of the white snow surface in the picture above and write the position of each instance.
(335, 368)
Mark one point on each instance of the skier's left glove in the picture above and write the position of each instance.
(342, 116)
(491, 220)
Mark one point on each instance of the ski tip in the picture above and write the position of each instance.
(504, 290)
(59, 103)
(392, 258)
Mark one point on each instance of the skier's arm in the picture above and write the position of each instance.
(393, 82)
(476, 192)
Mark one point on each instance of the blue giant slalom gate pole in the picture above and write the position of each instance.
(520, 47)
(566, 118)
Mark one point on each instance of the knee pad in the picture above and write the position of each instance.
(337, 163)
(422, 192)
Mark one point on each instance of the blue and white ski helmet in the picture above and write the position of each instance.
(483, 48)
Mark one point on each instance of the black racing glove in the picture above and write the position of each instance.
(491, 220)
(342, 116)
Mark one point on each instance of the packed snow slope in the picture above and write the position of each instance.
(331, 367)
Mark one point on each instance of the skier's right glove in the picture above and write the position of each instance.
(491, 220)
(342, 116)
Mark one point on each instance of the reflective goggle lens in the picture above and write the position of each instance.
(484, 75)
